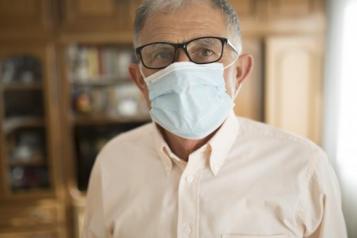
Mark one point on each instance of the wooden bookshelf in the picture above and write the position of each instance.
(22, 86)
(95, 83)
(33, 161)
(29, 156)
(100, 120)
(12, 124)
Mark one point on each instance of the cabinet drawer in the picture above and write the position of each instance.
(47, 234)
(29, 16)
(29, 216)
(93, 15)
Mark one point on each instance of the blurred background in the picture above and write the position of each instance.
(65, 91)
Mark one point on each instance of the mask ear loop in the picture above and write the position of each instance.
(233, 62)
(141, 71)
(239, 85)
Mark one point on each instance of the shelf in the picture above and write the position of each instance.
(18, 122)
(33, 191)
(102, 120)
(100, 81)
(37, 161)
(21, 86)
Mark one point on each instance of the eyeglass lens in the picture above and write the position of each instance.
(203, 50)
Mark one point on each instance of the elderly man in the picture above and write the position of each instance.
(199, 171)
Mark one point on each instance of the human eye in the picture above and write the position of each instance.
(162, 55)
(202, 54)
(156, 55)
(205, 52)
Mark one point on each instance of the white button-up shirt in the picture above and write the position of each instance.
(250, 180)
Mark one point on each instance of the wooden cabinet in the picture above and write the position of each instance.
(79, 214)
(245, 8)
(110, 16)
(290, 8)
(23, 216)
(35, 234)
(29, 135)
(31, 195)
(285, 88)
(294, 84)
(276, 8)
(99, 101)
(262, 17)
(286, 40)
(92, 15)
(42, 18)
(25, 17)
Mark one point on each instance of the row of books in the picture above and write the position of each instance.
(21, 68)
(92, 63)
(124, 100)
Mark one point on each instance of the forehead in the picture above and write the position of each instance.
(190, 21)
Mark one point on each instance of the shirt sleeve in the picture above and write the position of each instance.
(94, 219)
(321, 210)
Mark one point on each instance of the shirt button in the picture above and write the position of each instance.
(190, 178)
(187, 229)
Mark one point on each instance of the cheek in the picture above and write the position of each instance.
(229, 78)
(147, 72)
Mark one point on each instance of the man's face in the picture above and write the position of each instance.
(192, 21)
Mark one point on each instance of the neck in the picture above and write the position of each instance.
(183, 147)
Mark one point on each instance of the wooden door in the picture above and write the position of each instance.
(294, 84)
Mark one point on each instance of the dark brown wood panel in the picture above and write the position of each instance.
(33, 16)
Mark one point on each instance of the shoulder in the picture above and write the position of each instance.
(274, 143)
(290, 157)
(250, 129)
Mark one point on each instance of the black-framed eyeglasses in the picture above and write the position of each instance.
(202, 50)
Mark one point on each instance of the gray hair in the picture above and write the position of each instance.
(150, 6)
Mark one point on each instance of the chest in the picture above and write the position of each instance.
(200, 205)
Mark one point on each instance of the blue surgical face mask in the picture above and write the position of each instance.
(189, 99)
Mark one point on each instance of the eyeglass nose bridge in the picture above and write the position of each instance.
(182, 46)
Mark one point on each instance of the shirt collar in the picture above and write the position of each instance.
(222, 142)
(162, 149)
(219, 146)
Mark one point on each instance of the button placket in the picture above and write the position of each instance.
(187, 200)
(187, 229)
(189, 179)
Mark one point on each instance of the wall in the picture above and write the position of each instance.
(335, 14)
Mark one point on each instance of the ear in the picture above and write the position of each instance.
(136, 76)
(244, 68)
